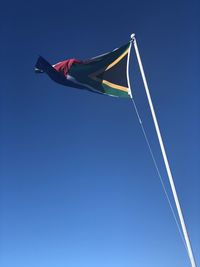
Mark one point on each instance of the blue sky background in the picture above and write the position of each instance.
(78, 187)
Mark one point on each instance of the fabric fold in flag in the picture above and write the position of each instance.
(104, 74)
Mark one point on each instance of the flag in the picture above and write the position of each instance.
(104, 74)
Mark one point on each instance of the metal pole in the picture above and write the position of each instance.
(180, 214)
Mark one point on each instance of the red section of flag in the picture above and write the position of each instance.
(64, 66)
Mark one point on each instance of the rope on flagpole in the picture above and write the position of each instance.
(171, 181)
(158, 172)
(149, 146)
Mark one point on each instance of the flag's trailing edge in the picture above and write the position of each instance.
(104, 74)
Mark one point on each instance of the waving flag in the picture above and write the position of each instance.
(104, 74)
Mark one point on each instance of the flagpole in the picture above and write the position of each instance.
(171, 181)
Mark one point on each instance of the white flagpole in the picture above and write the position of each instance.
(180, 214)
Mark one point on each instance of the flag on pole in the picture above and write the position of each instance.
(104, 74)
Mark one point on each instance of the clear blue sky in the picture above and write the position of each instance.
(77, 184)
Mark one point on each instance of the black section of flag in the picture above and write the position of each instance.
(116, 74)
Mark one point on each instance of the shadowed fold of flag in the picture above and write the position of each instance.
(104, 74)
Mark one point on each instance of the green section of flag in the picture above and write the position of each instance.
(113, 92)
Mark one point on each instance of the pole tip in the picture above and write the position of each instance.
(132, 36)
